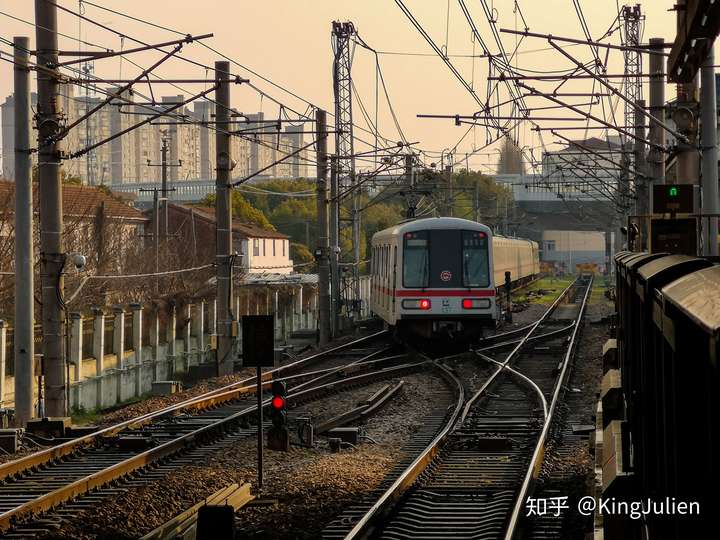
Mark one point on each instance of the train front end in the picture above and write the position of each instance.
(444, 280)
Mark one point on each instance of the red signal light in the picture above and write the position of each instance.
(424, 303)
(278, 403)
(481, 235)
(467, 303)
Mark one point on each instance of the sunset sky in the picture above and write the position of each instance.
(289, 42)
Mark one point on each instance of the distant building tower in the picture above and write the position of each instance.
(7, 114)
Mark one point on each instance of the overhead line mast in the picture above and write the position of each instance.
(342, 33)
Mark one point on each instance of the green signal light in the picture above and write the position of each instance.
(673, 192)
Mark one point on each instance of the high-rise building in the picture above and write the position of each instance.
(7, 112)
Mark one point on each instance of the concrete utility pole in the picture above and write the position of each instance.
(688, 161)
(476, 203)
(323, 245)
(223, 218)
(410, 182)
(156, 236)
(334, 247)
(642, 204)
(356, 235)
(24, 300)
(164, 173)
(708, 142)
(52, 256)
(450, 196)
(656, 158)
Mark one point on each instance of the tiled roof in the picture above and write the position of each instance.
(78, 201)
(248, 230)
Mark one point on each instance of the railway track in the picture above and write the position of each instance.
(79, 473)
(473, 477)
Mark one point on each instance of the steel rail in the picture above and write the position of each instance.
(245, 386)
(406, 479)
(525, 378)
(539, 452)
(363, 527)
(174, 446)
(515, 351)
(539, 337)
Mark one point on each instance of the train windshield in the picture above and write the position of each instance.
(476, 270)
(445, 259)
(415, 259)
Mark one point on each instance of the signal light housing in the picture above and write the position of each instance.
(419, 303)
(278, 404)
(278, 437)
(475, 303)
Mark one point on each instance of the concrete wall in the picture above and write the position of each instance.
(161, 347)
(575, 240)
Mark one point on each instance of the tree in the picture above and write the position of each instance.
(242, 210)
(300, 254)
(511, 161)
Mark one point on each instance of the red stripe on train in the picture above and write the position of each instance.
(444, 292)
(449, 292)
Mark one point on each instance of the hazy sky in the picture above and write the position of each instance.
(288, 41)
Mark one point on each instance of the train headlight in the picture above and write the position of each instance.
(420, 303)
(475, 303)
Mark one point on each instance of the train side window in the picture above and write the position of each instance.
(415, 259)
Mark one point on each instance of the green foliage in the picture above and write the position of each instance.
(296, 215)
(242, 210)
(299, 253)
(492, 197)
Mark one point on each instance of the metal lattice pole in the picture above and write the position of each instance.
(342, 33)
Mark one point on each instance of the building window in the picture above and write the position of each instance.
(283, 245)
(256, 247)
(550, 245)
(264, 248)
(273, 247)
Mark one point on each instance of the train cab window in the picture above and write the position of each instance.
(476, 270)
(415, 259)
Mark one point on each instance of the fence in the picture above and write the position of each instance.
(140, 345)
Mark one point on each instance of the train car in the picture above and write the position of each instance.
(518, 256)
(439, 277)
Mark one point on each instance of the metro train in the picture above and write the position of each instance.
(439, 277)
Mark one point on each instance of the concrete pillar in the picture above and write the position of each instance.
(154, 335)
(137, 326)
(187, 332)
(170, 335)
(3, 342)
(119, 336)
(137, 320)
(198, 329)
(277, 316)
(98, 339)
(75, 360)
(99, 351)
(315, 308)
(118, 347)
(212, 323)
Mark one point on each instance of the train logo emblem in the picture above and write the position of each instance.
(446, 275)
